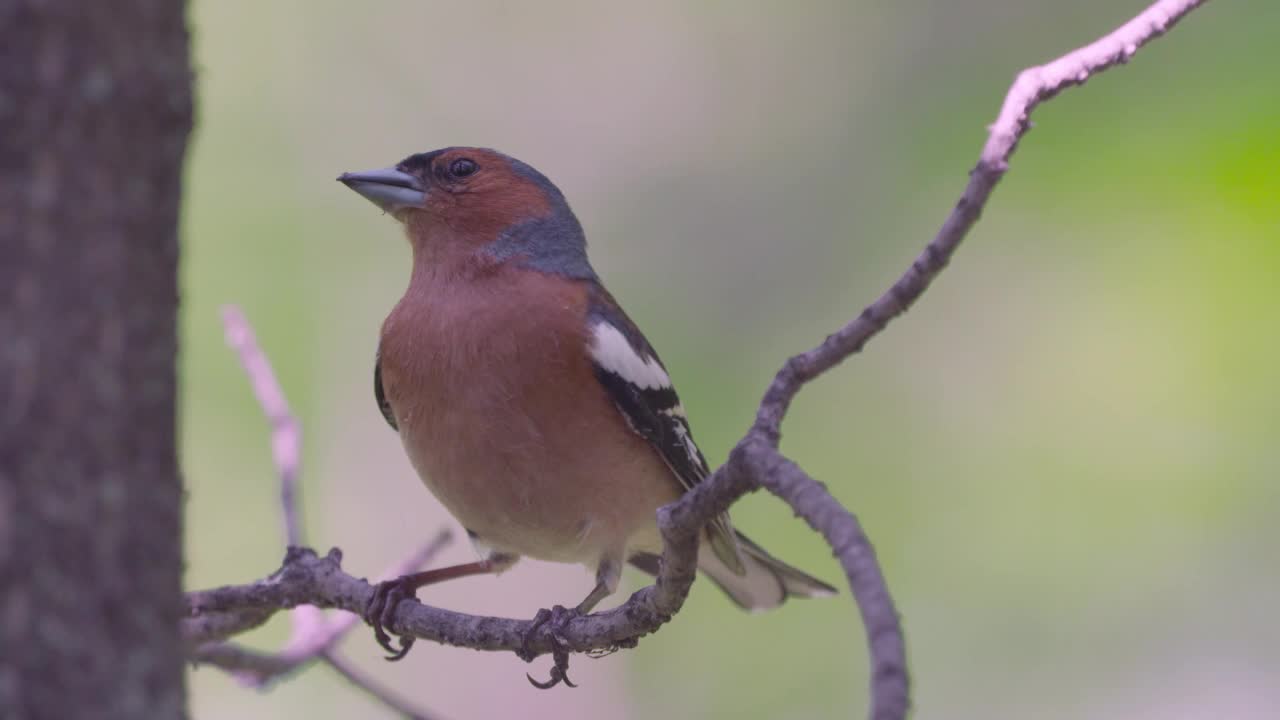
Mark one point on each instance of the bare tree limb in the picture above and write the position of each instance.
(306, 644)
(755, 462)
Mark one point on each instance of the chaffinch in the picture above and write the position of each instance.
(527, 401)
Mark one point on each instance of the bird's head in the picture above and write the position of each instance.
(463, 201)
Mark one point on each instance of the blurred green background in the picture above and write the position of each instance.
(1066, 455)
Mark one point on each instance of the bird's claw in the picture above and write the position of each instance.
(380, 613)
(558, 675)
(557, 617)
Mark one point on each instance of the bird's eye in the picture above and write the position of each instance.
(462, 167)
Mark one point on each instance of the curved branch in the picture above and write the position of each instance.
(890, 684)
(306, 578)
(1032, 87)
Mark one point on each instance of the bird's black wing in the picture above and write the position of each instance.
(380, 396)
(637, 382)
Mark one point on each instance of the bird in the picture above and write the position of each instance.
(527, 401)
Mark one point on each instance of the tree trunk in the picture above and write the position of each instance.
(95, 109)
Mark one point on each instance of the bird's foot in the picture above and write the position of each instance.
(557, 618)
(381, 611)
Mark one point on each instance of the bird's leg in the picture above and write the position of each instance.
(387, 595)
(608, 573)
(606, 585)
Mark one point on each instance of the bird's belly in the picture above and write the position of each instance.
(530, 486)
(501, 414)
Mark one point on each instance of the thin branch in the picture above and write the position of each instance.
(306, 578)
(258, 668)
(389, 697)
(306, 623)
(889, 682)
(286, 435)
(251, 667)
(1032, 87)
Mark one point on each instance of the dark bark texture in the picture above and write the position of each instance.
(95, 110)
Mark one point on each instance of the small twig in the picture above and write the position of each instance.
(389, 697)
(251, 667)
(286, 450)
(286, 435)
(306, 623)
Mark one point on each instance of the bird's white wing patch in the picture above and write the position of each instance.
(611, 351)
(634, 378)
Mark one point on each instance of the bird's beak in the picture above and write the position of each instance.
(388, 188)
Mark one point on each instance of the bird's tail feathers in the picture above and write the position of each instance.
(765, 583)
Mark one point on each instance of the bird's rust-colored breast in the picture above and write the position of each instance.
(501, 415)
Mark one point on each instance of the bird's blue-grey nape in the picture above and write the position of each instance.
(554, 243)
